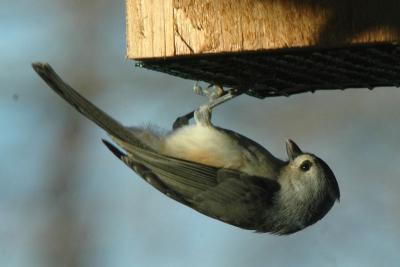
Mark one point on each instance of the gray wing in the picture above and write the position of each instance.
(227, 195)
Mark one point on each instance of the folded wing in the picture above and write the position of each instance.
(227, 195)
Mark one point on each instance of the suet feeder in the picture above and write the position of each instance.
(269, 47)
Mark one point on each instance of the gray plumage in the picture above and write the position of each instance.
(218, 172)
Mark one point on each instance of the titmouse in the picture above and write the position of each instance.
(218, 172)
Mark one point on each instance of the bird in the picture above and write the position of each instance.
(215, 171)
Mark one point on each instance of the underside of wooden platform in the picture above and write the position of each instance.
(284, 73)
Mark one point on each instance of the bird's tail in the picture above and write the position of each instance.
(85, 107)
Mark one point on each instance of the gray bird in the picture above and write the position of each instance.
(218, 172)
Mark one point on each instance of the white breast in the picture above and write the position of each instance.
(204, 144)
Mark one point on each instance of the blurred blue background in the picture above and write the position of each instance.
(66, 201)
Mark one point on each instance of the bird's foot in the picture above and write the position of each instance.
(216, 98)
(211, 91)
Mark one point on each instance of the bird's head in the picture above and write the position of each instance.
(310, 174)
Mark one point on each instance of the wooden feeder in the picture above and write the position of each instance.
(269, 47)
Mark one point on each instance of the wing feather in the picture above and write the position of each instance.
(227, 195)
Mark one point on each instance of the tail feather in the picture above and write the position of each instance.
(85, 107)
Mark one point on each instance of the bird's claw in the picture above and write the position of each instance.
(211, 91)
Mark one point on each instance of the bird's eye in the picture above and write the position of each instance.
(305, 166)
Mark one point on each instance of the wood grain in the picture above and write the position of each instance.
(168, 28)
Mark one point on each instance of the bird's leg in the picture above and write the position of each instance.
(216, 98)
(202, 115)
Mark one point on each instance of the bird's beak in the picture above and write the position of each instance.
(292, 149)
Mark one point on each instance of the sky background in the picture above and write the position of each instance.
(65, 200)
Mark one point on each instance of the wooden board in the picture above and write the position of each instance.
(169, 28)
